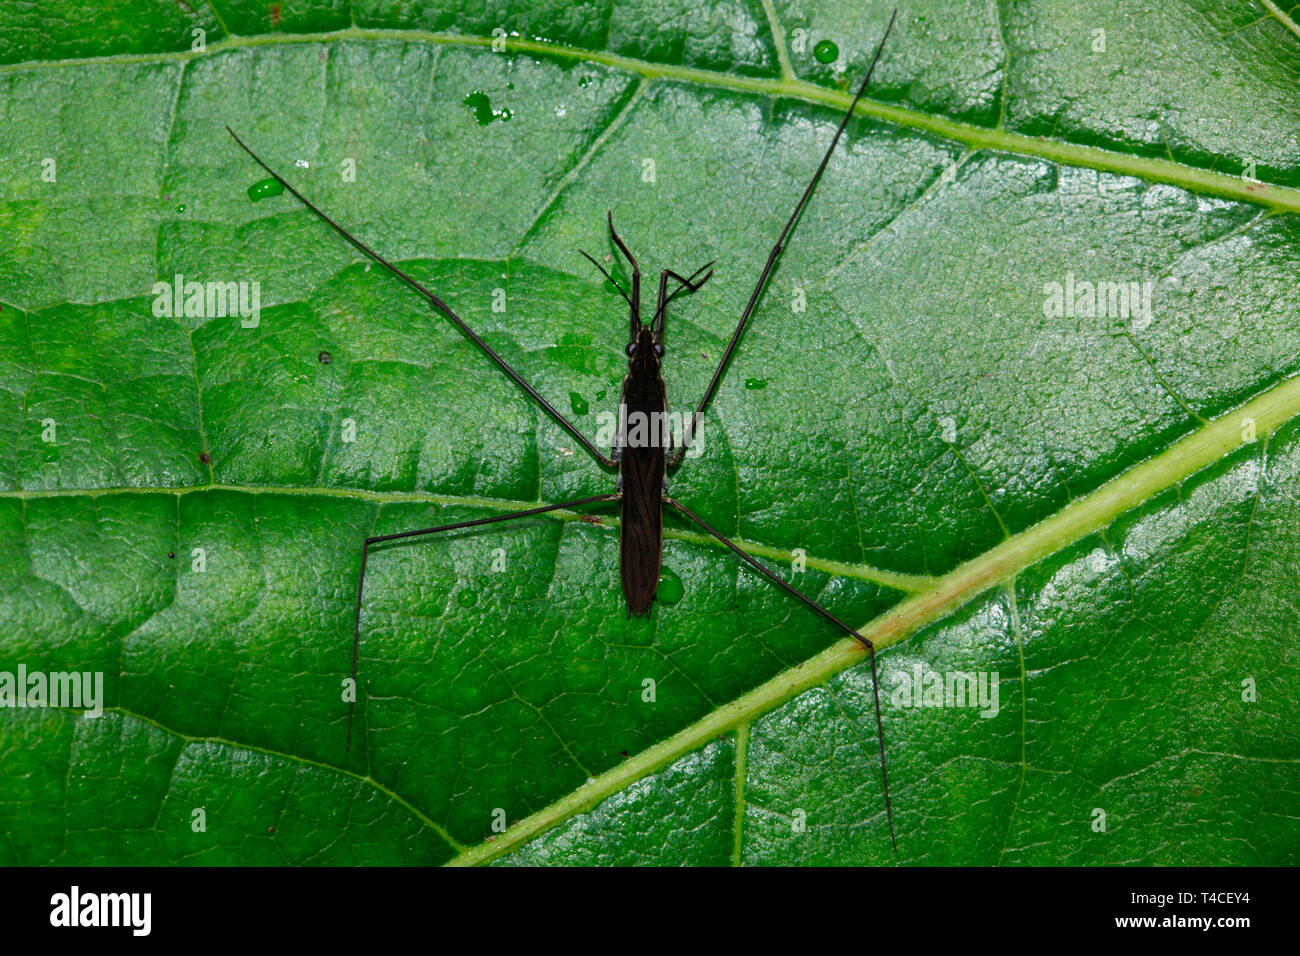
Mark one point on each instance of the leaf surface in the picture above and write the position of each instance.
(1096, 512)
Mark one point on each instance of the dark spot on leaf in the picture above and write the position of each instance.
(622, 753)
(325, 358)
(205, 457)
(270, 830)
(275, 14)
(171, 554)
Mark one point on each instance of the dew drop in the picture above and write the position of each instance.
(301, 163)
(826, 52)
(181, 207)
(578, 404)
(561, 111)
(479, 104)
(753, 384)
(264, 188)
(467, 598)
(670, 589)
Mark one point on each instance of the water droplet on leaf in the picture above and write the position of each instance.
(670, 589)
(755, 383)
(263, 188)
(578, 404)
(479, 104)
(467, 598)
(826, 52)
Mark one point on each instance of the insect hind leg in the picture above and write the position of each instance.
(475, 522)
(851, 632)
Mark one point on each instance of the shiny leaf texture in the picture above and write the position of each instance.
(1085, 504)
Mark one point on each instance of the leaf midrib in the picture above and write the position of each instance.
(1206, 446)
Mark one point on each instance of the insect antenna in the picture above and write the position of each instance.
(606, 273)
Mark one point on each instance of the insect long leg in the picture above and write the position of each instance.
(689, 430)
(793, 592)
(494, 519)
(438, 304)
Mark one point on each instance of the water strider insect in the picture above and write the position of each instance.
(642, 464)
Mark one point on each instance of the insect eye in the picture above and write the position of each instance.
(659, 351)
(631, 349)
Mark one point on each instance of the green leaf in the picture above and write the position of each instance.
(1093, 512)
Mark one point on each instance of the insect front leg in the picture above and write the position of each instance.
(775, 254)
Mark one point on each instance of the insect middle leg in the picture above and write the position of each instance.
(494, 519)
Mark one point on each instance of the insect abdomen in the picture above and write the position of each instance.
(642, 468)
